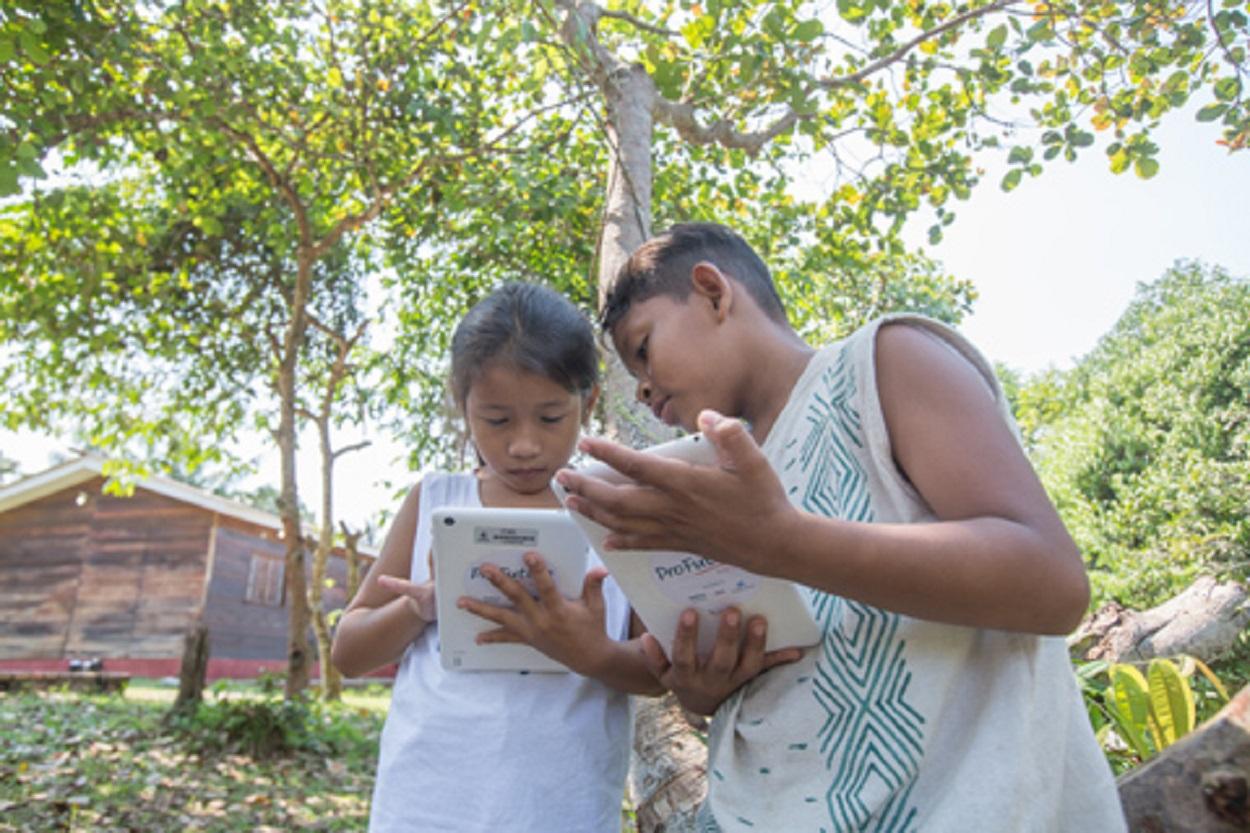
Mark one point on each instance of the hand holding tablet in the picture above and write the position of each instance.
(662, 583)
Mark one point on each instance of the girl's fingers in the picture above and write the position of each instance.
(498, 636)
(592, 589)
(401, 586)
(511, 588)
(504, 616)
(543, 582)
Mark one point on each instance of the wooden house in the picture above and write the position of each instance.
(85, 574)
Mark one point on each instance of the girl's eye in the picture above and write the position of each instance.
(641, 352)
(552, 420)
(495, 422)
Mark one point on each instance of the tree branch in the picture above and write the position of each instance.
(640, 24)
(680, 116)
(898, 54)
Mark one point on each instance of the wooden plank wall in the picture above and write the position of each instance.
(41, 552)
(112, 577)
(237, 628)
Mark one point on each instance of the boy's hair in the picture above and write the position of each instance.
(529, 327)
(663, 264)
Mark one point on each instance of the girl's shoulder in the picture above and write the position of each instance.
(445, 488)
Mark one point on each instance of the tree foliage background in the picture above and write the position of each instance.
(1145, 443)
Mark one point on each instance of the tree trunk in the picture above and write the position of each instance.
(296, 579)
(668, 777)
(1204, 621)
(331, 680)
(351, 546)
(1199, 784)
(191, 675)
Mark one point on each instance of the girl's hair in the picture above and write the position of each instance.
(530, 327)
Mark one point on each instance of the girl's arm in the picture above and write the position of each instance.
(568, 630)
(997, 556)
(389, 611)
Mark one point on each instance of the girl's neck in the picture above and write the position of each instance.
(491, 492)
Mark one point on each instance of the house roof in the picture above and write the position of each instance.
(89, 466)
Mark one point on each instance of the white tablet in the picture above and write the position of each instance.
(467, 538)
(661, 584)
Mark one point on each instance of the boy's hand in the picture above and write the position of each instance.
(570, 631)
(734, 512)
(702, 686)
(420, 597)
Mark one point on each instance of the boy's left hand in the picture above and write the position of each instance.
(734, 512)
(570, 631)
(702, 685)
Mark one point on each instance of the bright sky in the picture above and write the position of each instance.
(1056, 261)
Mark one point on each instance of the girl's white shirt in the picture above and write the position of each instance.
(498, 750)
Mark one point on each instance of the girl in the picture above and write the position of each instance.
(489, 751)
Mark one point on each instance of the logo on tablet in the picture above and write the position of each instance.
(694, 581)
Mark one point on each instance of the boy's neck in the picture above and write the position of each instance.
(778, 365)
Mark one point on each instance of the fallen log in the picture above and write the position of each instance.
(1204, 621)
(1199, 784)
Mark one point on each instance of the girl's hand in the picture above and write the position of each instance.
(419, 597)
(702, 686)
(570, 631)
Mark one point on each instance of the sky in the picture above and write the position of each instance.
(1055, 262)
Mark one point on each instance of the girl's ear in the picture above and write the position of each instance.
(588, 404)
(714, 286)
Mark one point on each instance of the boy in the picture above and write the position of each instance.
(883, 475)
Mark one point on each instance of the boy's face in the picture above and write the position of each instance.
(674, 349)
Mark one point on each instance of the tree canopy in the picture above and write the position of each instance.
(1145, 444)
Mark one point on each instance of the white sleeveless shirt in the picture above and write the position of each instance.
(498, 750)
(894, 723)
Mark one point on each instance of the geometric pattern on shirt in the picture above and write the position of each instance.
(871, 738)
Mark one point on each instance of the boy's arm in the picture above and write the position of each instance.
(388, 611)
(997, 557)
(568, 630)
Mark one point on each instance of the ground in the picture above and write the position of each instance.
(72, 762)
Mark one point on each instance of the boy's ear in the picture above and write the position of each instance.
(711, 283)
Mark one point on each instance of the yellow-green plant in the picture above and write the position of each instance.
(1152, 711)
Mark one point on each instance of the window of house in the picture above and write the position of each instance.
(265, 580)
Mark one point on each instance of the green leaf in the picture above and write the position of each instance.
(1227, 89)
(997, 36)
(1012, 179)
(8, 181)
(1171, 702)
(1146, 167)
(1212, 112)
(808, 30)
(32, 47)
(1082, 139)
(1128, 702)
(1020, 154)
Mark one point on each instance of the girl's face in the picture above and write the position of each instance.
(524, 425)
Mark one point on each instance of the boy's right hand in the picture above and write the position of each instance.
(702, 686)
(420, 597)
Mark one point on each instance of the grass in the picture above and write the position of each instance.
(75, 762)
